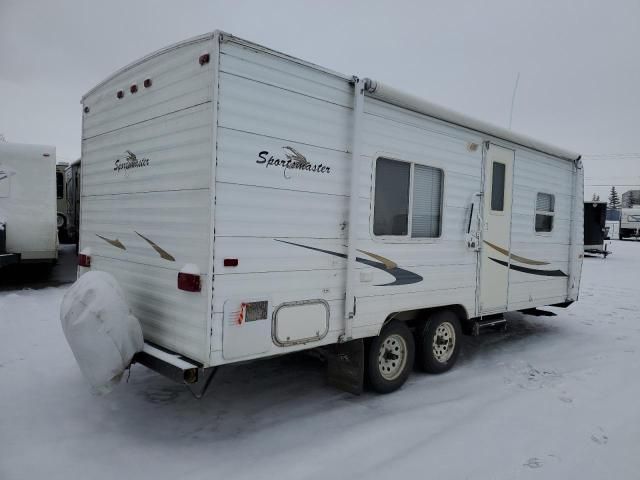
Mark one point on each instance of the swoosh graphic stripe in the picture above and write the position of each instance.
(532, 271)
(387, 263)
(517, 258)
(116, 243)
(163, 253)
(402, 276)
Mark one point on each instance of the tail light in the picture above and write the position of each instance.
(84, 260)
(133, 88)
(230, 262)
(189, 282)
(204, 59)
(120, 94)
(147, 83)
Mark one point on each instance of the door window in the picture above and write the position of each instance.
(497, 187)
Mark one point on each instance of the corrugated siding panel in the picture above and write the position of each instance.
(178, 82)
(253, 106)
(177, 221)
(168, 200)
(535, 173)
(169, 317)
(178, 147)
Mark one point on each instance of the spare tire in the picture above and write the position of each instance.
(100, 329)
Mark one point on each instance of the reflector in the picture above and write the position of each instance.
(188, 282)
(84, 260)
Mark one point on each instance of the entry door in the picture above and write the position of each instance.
(496, 229)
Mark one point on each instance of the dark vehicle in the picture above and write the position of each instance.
(595, 232)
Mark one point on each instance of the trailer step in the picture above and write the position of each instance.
(499, 323)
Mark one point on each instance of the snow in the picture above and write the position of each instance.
(553, 397)
(101, 331)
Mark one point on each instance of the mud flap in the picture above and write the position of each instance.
(345, 366)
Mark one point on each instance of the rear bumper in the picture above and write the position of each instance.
(169, 364)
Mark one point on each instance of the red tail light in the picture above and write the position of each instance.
(204, 59)
(84, 260)
(189, 282)
(230, 262)
(120, 94)
(147, 83)
(133, 88)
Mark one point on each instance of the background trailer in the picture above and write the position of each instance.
(28, 230)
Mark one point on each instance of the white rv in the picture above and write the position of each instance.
(252, 204)
(629, 223)
(28, 231)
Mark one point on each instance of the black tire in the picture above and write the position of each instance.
(442, 326)
(383, 374)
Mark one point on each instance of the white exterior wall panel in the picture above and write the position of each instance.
(537, 173)
(165, 197)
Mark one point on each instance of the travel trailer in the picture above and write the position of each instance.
(595, 230)
(28, 231)
(251, 204)
(72, 208)
(629, 223)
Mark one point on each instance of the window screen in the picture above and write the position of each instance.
(497, 187)
(59, 184)
(391, 207)
(427, 201)
(545, 209)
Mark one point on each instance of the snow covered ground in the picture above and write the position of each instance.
(554, 397)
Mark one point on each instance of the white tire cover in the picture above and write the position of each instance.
(101, 331)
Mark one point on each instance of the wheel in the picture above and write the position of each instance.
(438, 342)
(390, 358)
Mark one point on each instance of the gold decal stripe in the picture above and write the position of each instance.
(389, 265)
(163, 253)
(116, 243)
(515, 257)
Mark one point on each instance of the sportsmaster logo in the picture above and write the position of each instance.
(130, 161)
(293, 160)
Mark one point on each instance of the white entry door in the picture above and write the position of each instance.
(496, 229)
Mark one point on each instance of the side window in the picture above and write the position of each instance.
(60, 184)
(427, 202)
(545, 210)
(497, 187)
(397, 183)
(391, 206)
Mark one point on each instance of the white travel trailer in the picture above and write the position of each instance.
(28, 231)
(251, 204)
(629, 223)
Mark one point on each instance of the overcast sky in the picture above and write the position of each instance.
(579, 61)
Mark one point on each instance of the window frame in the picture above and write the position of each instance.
(405, 238)
(537, 212)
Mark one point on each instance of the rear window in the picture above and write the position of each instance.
(633, 218)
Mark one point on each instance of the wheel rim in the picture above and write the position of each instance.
(392, 357)
(444, 342)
